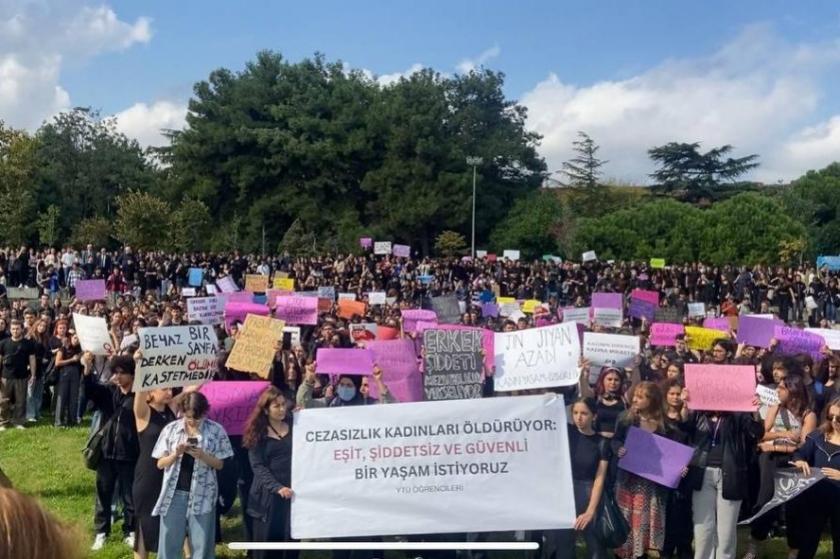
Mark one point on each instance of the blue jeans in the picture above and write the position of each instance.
(175, 525)
(34, 398)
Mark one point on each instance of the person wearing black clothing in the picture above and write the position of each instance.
(723, 443)
(19, 368)
(120, 447)
(68, 365)
(268, 438)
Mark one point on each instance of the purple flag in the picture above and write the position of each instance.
(344, 361)
(654, 457)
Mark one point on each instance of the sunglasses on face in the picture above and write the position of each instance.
(834, 418)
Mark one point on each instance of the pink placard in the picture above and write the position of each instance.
(240, 297)
(231, 402)
(297, 310)
(647, 296)
(665, 333)
(238, 311)
(607, 301)
(720, 387)
(343, 361)
(412, 316)
(400, 372)
(721, 323)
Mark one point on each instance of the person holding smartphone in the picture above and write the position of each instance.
(190, 451)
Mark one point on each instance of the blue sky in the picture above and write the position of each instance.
(760, 74)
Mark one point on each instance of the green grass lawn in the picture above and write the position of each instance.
(46, 462)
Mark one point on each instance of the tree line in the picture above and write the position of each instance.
(310, 156)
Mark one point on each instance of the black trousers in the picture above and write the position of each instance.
(821, 503)
(108, 474)
(13, 400)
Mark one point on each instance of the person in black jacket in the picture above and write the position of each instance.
(120, 446)
(723, 443)
(268, 438)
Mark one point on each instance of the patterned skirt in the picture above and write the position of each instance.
(643, 503)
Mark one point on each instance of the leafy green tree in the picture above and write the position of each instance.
(584, 170)
(17, 185)
(48, 224)
(688, 174)
(450, 244)
(814, 199)
(297, 241)
(95, 231)
(533, 225)
(141, 220)
(189, 226)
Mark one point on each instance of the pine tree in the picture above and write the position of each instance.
(584, 169)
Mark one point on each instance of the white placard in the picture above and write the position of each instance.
(382, 247)
(572, 314)
(610, 349)
(537, 358)
(480, 253)
(295, 334)
(376, 298)
(589, 256)
(696, 309)
(511, 254)
(206, 310)
(432, 467)
(611, 318)
(188, 292)
(176, 356)
(507, 309)
(767, 395)
(346, 296)
(211, 289)
(831, 337)
(93, 334)
(227, 285)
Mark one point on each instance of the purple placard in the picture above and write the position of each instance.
(756, 331)
(793, 341)
(665, 333)
(400, 372)
(344, 361)
(366, 242)
(412, 316)
(720, 323)
(640, 308)
(655, 458)
(607, 301)
(489, 310)
(90, 290)
(401, 251)
(488, 340)
(297, 310)
(231, 402)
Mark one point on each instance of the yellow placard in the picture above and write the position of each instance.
(254, 350)
(530, 305)
(703, 338)
(287, 284)
(657, 263)
(256, 283)
(505, 300)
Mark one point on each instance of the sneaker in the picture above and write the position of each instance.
(3, 427)
(32, 420)
(129, 540)
(98, 542)
(19, 427)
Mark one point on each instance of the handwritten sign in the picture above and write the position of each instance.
(573, 314)
(236, 312)
(365, 242)
(29, 293)
(341, 361)
(412, 316)
(537, 358)
(93, 334)
(254, 349)
(655, 458)
(348, 309)
(176, 356)
(601, 300)
(640, 308)
(611, 318)
(720, 387)
(363, 331)
(453, 364)
(721, 324)
(446, 308)
(227, 285)
(231, 402)
(376, 297)
(286, 284)
(398, 361)
(401, 251)
(610, 349)
(702, 338)
(768, 396)
(696, 309)
(793, 341)
(665, 334)
(90, 290)
(382, 248)
(589, 256)
(256, 283)
(297, 310)
(327, 292)
(206, 310)
(831, 337)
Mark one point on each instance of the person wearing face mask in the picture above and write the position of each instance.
(347, 391)
(268, 438)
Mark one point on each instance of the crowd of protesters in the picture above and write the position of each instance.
(172, 472)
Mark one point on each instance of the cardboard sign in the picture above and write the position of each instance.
(611, 318)
(256, 283)
(401, 251)
(382, 248)
(720, 387)
(231, 402)
(297, 310)
(446, 308)
(91, 290)
(346, 296)
(227, 285)
(665, 334)
(344, 361)
(654, 457)
(398, 361)
(286, 284)
(254, 349)
(93, 334)
(530, 305)
(188, 292)
(176, 356)
(526, 488)
(195, 277)
(236, 312)
(537, 358)
(768, 396)
(721, 324)
(206, 310)
(453, 364)
(348, 309)
(610, 349)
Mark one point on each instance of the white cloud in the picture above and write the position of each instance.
(39, 37)
(757, 93)
(467, 65)
(388, 79)
(145, 123)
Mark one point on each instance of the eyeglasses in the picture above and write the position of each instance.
(834, 418)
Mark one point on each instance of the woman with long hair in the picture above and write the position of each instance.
(268, 438)
(678, 527)
(821, 450)
(29, 531)
(609, 396)
(35, 390)
(785, 427)
(68, 362)
(643, 502)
